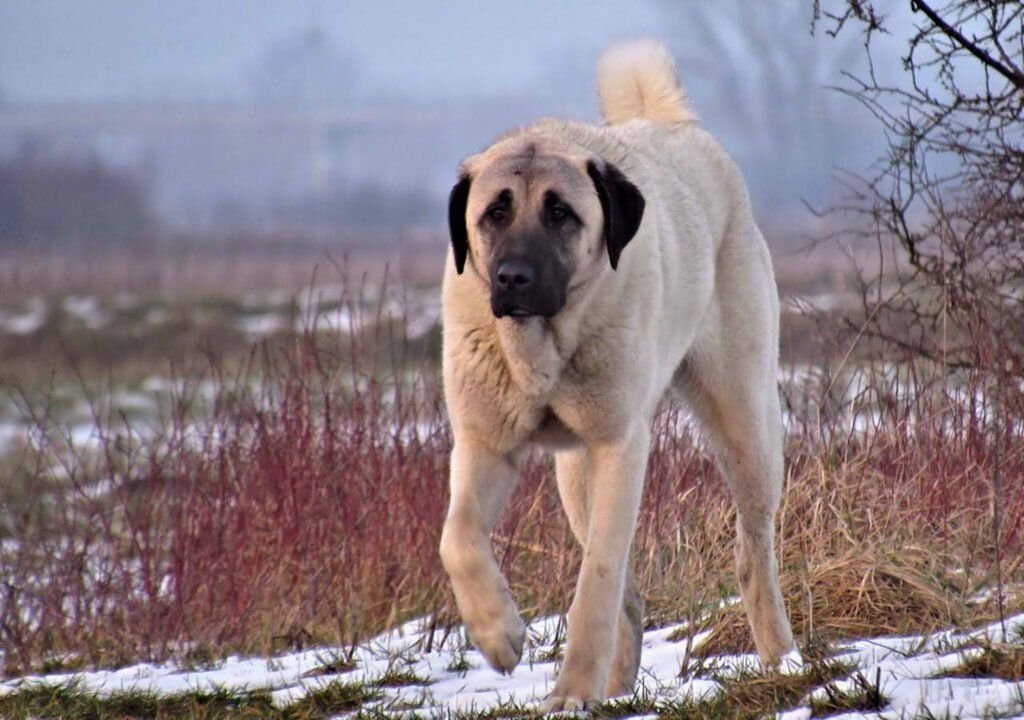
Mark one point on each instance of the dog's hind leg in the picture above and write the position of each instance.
(745, 428)
(730, 380)
(481, 482)
(571, 471)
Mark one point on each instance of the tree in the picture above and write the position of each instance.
(946, 205)
(759, 79)
(47, 201)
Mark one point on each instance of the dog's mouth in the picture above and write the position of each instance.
(518, 312)
(522, 306)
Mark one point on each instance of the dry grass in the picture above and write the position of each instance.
(995, 660)
(860, 594)
(305, 506)
(71, 703)
(865, 695)
(213, 265)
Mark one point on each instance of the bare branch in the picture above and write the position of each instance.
(1014, 77)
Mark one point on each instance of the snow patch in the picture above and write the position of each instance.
(87, 310)
(27, 321)
(456, 678)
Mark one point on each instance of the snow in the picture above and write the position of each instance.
(86, 309)
(261, 325)
(11, 435)
(25, 322)
(820, 303)
(910, 671)
(455, 677)
(156, 316)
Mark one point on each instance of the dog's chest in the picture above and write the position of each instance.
(517, 390)
(489, 394)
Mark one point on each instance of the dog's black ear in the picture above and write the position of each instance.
(623, 207)
(457, 221)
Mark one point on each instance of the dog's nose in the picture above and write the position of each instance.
(515, 275)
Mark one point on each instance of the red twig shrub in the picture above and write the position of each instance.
(301, 503)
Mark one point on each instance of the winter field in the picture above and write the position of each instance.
(221, 496)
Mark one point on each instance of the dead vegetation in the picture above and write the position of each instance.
(304, 508)
(855, 595)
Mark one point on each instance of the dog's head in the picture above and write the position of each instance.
(535, 220)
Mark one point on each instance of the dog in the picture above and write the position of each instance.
(592, 270)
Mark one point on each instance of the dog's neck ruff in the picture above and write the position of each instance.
(530, 349)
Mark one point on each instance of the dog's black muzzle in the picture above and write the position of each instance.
(521, 288)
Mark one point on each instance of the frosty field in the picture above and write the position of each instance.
(417, 670)
(228, 505)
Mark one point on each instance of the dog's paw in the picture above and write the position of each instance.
(556, 703)
(790, 663)
(572, 693)
(492, 620)
(501, 643)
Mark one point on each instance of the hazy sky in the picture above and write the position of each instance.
(753, 71)
(120, 49)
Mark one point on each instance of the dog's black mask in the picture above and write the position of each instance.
(528, 278)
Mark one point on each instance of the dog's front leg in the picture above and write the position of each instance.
(481, 482)
(616, 484)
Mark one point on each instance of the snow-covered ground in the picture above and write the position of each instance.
(436, 675)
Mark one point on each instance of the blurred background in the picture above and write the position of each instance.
(342, 122)
(182, 181)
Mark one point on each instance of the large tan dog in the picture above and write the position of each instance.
(593, 269)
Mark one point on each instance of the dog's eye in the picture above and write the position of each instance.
(497, 214)
(558, 214)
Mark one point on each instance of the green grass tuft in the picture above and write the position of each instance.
(70, 702)
(397, 677)
(865, 695)
(331, 699)
(996, 660)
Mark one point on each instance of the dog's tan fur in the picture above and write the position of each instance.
(691, 308)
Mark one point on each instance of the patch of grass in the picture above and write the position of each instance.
(47, 702)
(554, 653)
(751, 694)
(329, 700)
(397, 677)
(995, 660)
(508, 709)
(864, 695)
(70, 702)
(459, 664)
(639, 703)
(861, 593)
(335, 664)
(200, 656)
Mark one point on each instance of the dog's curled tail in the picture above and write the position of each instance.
(637, 79)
